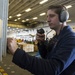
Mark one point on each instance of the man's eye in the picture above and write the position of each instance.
(51, 15)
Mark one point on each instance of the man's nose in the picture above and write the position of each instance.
(48, 19)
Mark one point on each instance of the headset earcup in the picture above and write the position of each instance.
(64, 16)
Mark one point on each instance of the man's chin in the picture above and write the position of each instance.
(51, 27)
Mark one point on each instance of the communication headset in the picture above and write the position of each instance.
(61, 11)
(64, 15)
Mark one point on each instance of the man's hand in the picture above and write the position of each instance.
(12, 45)
(40, 37)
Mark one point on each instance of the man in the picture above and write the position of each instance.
(58, 54)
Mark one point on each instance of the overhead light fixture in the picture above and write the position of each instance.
(19, 18)
(42, 2)
(35, 18)
(69, 6)
(18, 15)
(15, 20)
(23, 20)
(27, 10)
(27, 19)
(42, 14)
(10, 16)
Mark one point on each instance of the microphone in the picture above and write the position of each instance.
(41, 31)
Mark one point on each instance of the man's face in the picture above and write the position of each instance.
(53, 19)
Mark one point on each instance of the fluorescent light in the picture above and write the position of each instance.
(10, 16)
(42, 14)
(18, 15)
(69, 6)
(35, 18)
(23, 20)
(27, 19)
(19, 18)
(43, 1)
(27, 10)
(15, 20)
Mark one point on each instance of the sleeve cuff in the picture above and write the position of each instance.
(18, 56)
